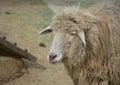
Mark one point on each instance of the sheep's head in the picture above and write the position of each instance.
(68, 38)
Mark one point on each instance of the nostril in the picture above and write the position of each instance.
(52, 56)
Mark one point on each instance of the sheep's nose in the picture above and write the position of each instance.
(52, 56)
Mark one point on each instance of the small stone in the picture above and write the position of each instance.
(7, 12)
(15, 44)
(42, 45)
(4, 37)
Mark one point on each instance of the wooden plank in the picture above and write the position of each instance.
(13, 49)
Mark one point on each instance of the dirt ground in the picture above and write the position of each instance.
(20, 22)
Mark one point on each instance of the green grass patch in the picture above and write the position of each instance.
(82, 3)
(86, 4)
(45, 17)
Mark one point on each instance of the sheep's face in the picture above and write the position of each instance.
(68, 37)
(64, 43)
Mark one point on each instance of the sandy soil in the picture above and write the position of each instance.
(19, 25)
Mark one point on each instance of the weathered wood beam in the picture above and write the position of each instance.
(7, 48)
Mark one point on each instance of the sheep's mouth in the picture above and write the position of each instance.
(53, 62)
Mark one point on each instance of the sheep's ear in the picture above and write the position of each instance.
(46, 30)
(82, 36)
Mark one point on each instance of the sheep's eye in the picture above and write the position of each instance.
(73, 33)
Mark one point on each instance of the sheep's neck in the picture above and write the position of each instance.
(82, 68)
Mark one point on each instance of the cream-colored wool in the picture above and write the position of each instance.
(97, 62)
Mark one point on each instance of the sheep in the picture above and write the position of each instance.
(87, 41)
